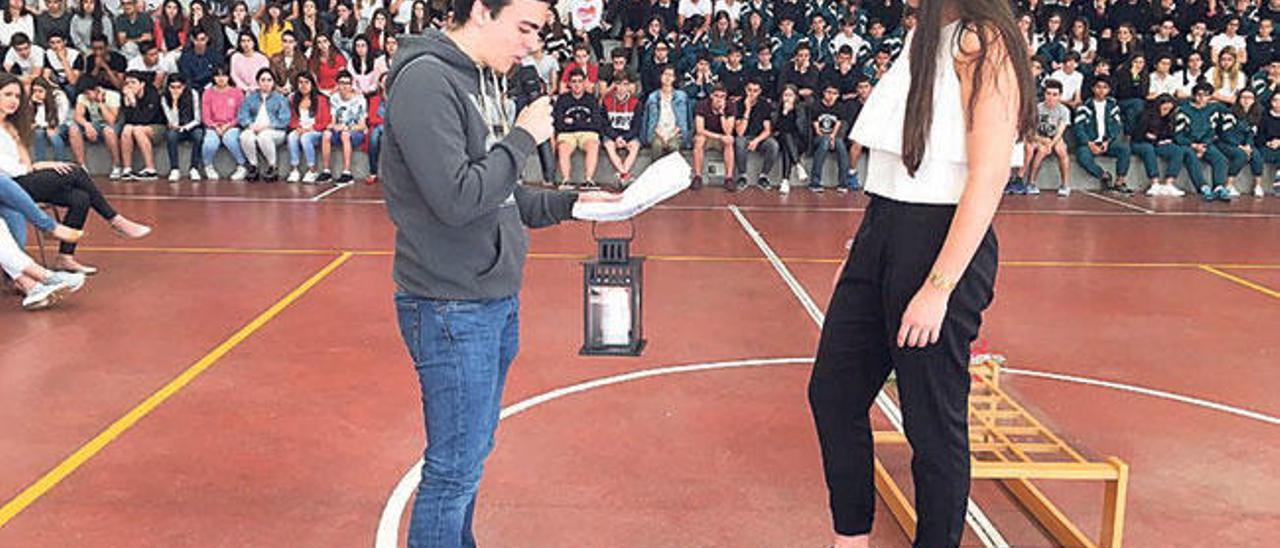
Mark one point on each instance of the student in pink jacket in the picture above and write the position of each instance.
(219, 105)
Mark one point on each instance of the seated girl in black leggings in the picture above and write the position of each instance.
(58, 183)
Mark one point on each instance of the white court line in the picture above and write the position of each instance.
(974, 516)
(336, 188)
(1120, 203)
(388, 535)
(238, 199)
(1190, 400)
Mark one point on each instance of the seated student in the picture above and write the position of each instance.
(154, 67)
(1197, 128)
(621, 134)
(1268, 139)
(802, 74)
(106, 65)
(377, 115)
(264, 119)
(830, 130)
(753, 132)
(60, 62)
(733, 74)
(608, 73)
(1237, 142)
(348, 119)
(1053, 117)
(181, 106)
(862, 92)
(219, 109)
(247, 62)
(52, 120)
(40, 287)
(198, 60)
(17, 209)
(666, 116)
(1153, 140)
(96, 117)
(791, 124)
(306, 126)
(713, 123)
(57, 183)
(699, 81)
(140, 109)
(582, 61)
(576, 116)
(289, 62)
(24, 58)
(1098, 127)
(1072, 80)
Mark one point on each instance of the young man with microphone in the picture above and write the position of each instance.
(452, 159)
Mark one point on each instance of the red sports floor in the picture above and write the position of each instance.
(237, 379)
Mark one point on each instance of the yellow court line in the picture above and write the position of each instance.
(93, 446)
(1251, 285)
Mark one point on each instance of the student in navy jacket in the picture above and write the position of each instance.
(577, 121)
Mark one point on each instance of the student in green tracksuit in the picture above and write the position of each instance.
(1098, 127)
(1195, 128)
(1236, 142)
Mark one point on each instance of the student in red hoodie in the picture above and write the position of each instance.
(377, 109)
(621, 128)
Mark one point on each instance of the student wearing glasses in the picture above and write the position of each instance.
(348, 113)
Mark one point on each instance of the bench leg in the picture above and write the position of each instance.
(903, 512)
(1113, 504)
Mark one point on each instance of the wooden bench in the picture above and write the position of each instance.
(1009, 445)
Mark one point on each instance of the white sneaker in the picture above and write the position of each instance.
(115, 173)
(801, 174)
(1064, 191)
(1257, 191)
(46, 294)
(175, 175)
(239, 174)
(211, 174)
(73, 280)
(1231, 190)
(194, 174)
(1170, 190)
(294, 176)
(785, 187)
(1155, 189)
(310, 177)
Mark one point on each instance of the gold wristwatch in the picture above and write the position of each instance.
(940, 281)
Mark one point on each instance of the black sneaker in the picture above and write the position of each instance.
(147, 175)
(325, 176)
(764, 183)
(270, 175)
(1107, 182)
(732, 185)
(345, 178)
(252, 176)
(696, 183)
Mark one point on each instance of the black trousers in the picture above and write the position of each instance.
(892, 256)
(75, 191)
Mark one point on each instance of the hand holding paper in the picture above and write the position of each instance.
(663, 179)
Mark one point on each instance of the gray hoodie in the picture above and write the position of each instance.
(450, 165)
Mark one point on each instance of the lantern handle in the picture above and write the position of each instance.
(631, 223)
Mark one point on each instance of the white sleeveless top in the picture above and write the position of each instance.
(941, 176)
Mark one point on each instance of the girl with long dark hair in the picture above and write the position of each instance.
(58, 183)
(89, 21)
(52, 121)
(791, 123)
(306, 126)
(939, 126)
(1153, 140)
(1237, 141)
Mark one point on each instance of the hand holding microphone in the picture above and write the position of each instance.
(536, 119)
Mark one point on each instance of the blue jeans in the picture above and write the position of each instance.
(42, 142)
(230, 139)
(18, 208)
(304, 145)
(195, 136)
(1237, 158)
(375, 144)
(820, 152)
(461, 351)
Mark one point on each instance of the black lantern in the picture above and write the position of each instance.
(611, 298)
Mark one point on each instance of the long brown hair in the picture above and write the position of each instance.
(976, 16)
(21, 118)
(50, 101)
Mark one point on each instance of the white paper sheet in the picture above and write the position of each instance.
(663, 179)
